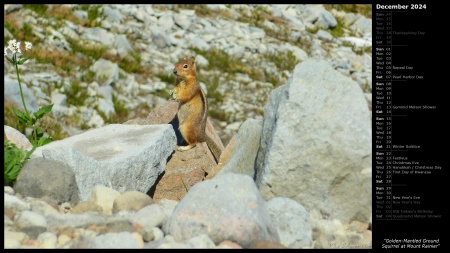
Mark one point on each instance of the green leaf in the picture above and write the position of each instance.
(9, 59)
(42, 111)
(23, 117)
(14, 160)
(44, 140)
(22, 61)
(38, 132)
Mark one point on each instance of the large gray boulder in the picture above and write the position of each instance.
(227, 207)
(316, 143)
(123, 157)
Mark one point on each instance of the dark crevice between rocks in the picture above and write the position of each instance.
(151, 191)
(176, 124)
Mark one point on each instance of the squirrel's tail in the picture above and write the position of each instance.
(215, 150)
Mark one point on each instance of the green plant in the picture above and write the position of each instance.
(93, 12)
(312, 29)
(131, 64)
(76, 94)
(40, 9)
(363, 9)
(15, 158)
(339, 30)
(120, 109)
(27, 30)
(285, 60)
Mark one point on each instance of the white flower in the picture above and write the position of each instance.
(11, 43)
(12, 46)
(18, 47)
(28, 45)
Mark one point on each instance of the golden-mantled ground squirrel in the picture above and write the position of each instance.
(193, 107)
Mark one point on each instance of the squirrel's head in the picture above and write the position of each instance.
(185, 67)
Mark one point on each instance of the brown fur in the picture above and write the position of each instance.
(193, 107)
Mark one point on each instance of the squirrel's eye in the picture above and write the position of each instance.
(185, 66)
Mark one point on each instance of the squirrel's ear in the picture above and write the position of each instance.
(192, 59)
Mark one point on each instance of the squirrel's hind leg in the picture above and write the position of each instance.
(184, 148)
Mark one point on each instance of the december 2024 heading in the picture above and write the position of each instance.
(400, 6)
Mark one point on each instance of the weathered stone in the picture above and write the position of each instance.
(104, 197)
(58, 222)
(15, 204)
(201, 241)
(106, 72)
(168, 205)
(45, 177)
(132, 200)
(149, 216)
(332, 234)
(13, 240)
(30, 219)
(227, 207)
(292, 222)
(123, 45)
(243, 156)
(227, 244)
(123, 240)
(8, 190)
(123, 157)
(9, 213)
(47, 240)
(261, 244)
(120, 226)
(151, 234)
(98, 34)
(316, 143)
(183, 170)
(226, 153)
(17, 138)
(43, 208)
(86, 206)
(318, 15)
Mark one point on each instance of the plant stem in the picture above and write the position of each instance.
(23, 101)
(21, 93)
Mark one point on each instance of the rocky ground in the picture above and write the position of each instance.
(133, 220)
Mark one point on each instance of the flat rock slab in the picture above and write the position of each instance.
(123, 157)
(184, 168)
